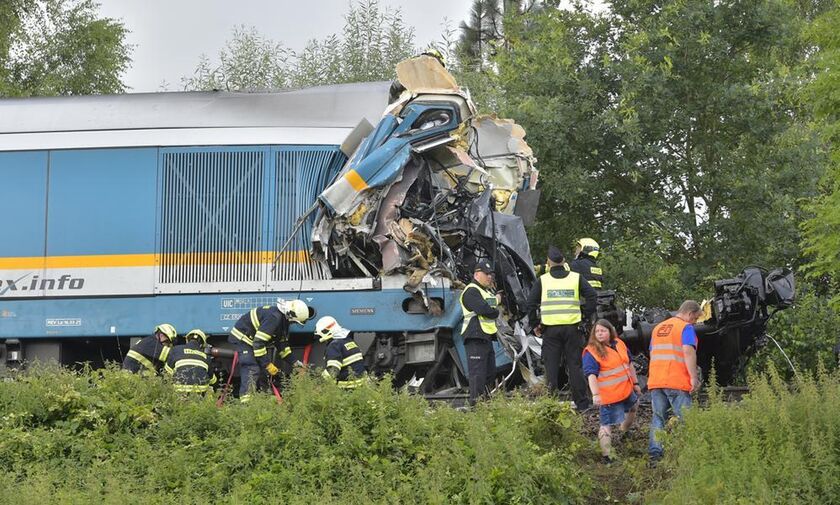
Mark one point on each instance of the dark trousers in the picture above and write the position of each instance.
(251, 376)
(481, 364)
(560, 341)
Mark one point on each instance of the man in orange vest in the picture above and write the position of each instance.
(672, 376)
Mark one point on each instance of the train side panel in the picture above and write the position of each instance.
(23, 208)
(372, 311)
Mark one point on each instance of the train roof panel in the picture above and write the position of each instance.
(334, 106)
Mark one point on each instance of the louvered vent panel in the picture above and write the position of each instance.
(302, 173)
(211, 217)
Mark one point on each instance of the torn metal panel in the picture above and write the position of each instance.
(376, 166)
(356, 137)
(425, 73)
(392, 254)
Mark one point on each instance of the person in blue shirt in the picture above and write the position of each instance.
(608, 367)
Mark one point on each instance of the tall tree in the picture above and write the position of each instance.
(60, 47)
(822, 231)
(483, 30)
(371, 44)
(558, 82)
(709, 96)
(249, 61)
(670, 130)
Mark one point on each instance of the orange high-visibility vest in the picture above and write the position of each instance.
(667, 360)
(614, 381)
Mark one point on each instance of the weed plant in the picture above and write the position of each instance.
(780, 444)
(106, 436)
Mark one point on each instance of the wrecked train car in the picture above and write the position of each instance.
(133, 210)
(432, 189)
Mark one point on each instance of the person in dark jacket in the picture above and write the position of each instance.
(189, 365)
(149, 354)
(586, 262)
(565, 301)
(479, 304)
(345, 362)
(253, 333)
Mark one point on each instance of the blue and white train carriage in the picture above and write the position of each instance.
(121, 212)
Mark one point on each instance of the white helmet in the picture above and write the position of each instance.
(295, 310)
(327, 327)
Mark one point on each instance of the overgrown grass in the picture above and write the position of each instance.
(781, 444)
(109, 437)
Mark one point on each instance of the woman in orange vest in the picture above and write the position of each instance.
(607, 364)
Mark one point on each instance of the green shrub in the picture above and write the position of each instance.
(111, 437)
(779, 445)
(807, 332)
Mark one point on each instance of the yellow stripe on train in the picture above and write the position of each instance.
(150, 260)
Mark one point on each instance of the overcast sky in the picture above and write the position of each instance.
(169, 36)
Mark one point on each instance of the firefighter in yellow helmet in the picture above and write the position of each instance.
(586, 262)
(189, 365)
(149, 354)
(253, 333)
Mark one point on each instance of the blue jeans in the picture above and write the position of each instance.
(664, 402)
(614, 413)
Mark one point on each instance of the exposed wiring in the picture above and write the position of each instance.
(785, 355)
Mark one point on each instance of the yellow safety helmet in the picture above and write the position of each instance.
(589, 247)
(168, 330)
(196, 334)
(435, 53)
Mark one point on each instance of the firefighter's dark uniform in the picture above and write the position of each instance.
(479, 331)
(147, 355)
(559, 296)
(189, 366)
(252, 334)
(346, 357)
(587, 267)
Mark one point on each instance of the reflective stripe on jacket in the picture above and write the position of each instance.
(189, 366)
(595, 277)
(258, 327)
(560, 300)
(615, 383)
(667, 359)
(147, 354)
(345, 355)
(487, 324)
(585, 266)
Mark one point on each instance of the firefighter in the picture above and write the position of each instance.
(252, 334)
(149, 354)
(565, 301)
(479, 305)
(345, 363)
(585, 262)
(672, 375)
(189, 365)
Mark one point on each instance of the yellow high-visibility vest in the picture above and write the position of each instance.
(560, 302)
(488, 325)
